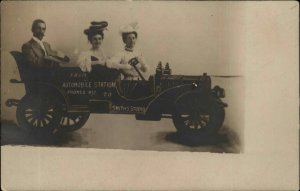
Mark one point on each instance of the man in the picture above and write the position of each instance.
(39, 53)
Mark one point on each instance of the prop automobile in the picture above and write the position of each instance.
(63, 98)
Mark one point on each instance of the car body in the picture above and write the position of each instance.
(63, 98)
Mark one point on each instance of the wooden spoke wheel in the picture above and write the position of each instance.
(72, 121)
(196, 114)
(39, 113)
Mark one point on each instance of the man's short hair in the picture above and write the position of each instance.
(36, 22)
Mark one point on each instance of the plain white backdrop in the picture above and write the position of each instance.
(193, 37)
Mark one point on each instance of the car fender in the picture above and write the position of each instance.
(165, 100)
(47, 88)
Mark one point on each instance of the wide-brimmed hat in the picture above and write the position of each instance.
(129, 28)
(96, 27)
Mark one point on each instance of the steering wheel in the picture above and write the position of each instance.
(133, 62)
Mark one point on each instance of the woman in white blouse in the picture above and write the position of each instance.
(129, 36)
(95, 54)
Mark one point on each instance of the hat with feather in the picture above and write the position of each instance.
(96, 27)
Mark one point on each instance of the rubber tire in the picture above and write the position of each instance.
(33, 102)
(213, 108)
(77, 125)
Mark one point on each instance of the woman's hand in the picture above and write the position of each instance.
(127, 66)
(100, 62)
(140, 59)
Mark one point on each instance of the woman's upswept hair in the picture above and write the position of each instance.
(124, 35)
(93, 33)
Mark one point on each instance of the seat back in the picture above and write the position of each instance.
(22, 64)
(27, 74)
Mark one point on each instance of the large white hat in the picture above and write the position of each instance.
(131, 27)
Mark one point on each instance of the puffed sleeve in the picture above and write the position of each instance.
(84, 62)
(114, 60)
(117, 62)
(143, 66)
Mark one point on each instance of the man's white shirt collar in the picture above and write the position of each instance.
(41, 43)
(36, 39)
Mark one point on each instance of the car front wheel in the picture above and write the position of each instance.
(194, 114)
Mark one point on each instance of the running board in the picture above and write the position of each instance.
(166, 116)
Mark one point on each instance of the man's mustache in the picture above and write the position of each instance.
(40, 34)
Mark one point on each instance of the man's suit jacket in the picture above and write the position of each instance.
(34, 53)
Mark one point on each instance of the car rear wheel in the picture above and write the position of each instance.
(73, 121)
(39, 114)
(194, 114)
